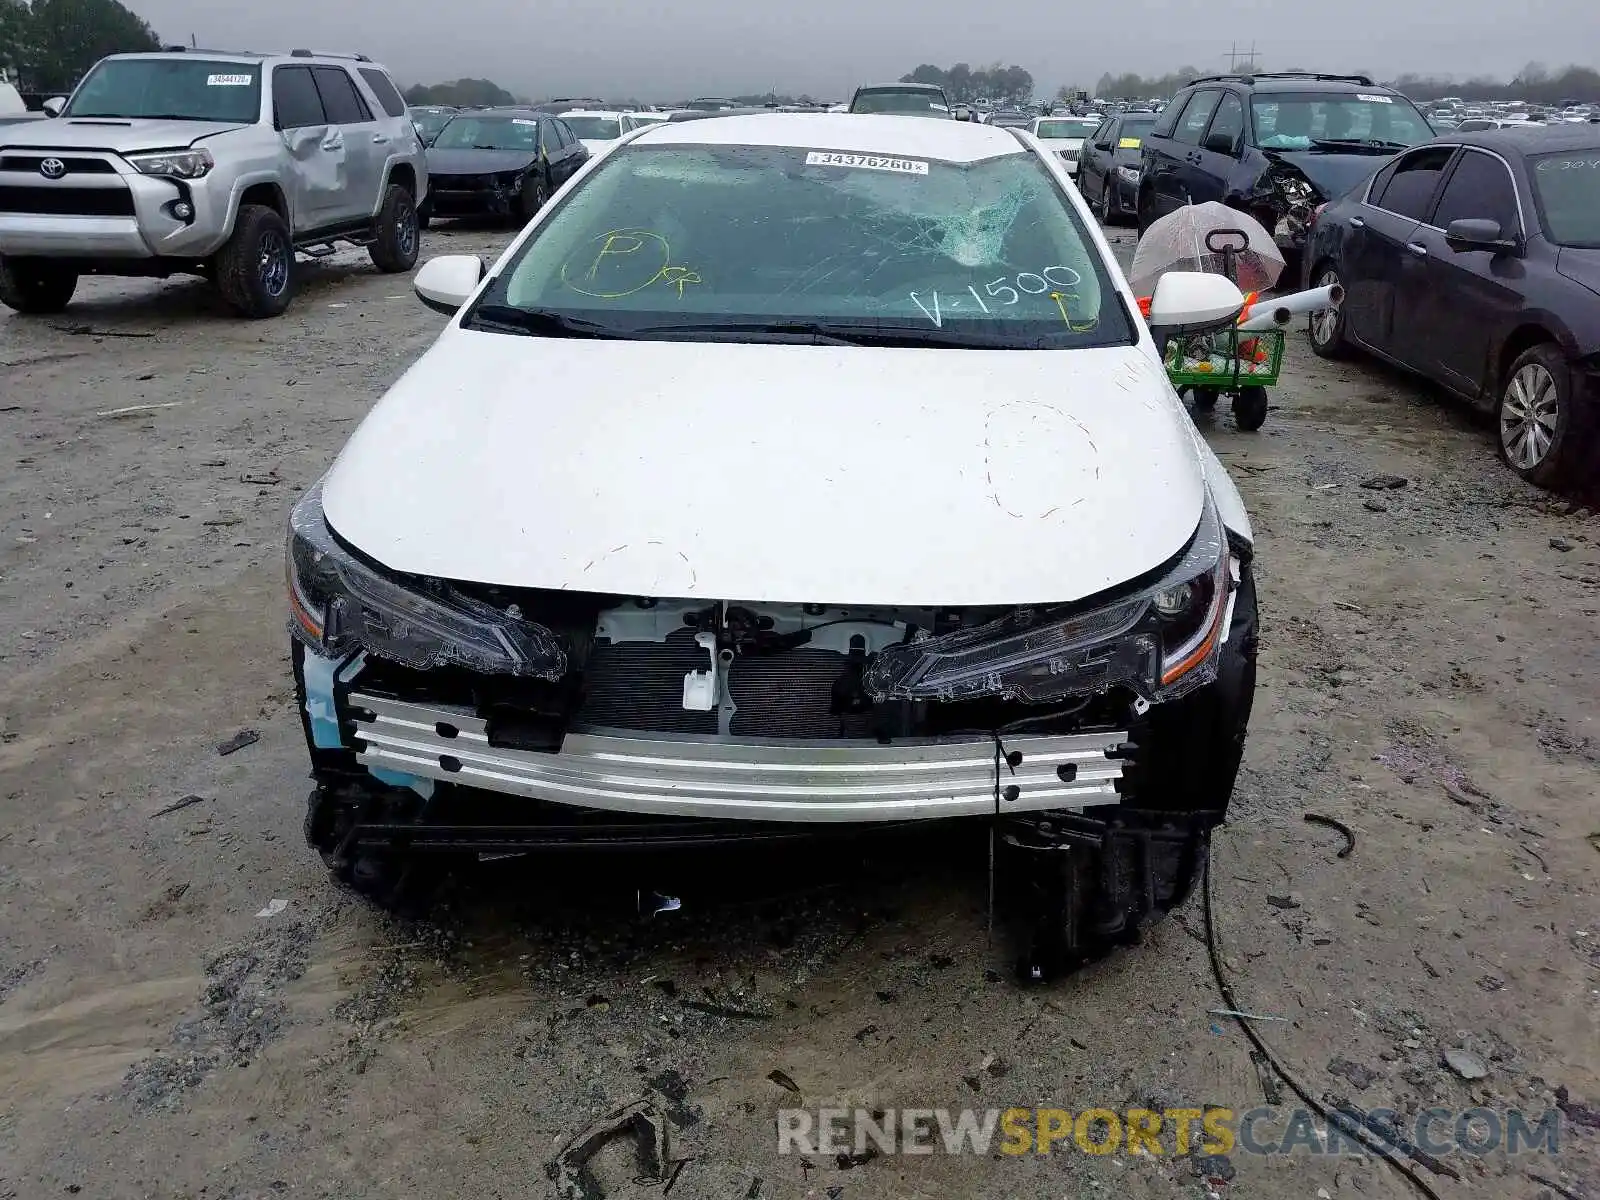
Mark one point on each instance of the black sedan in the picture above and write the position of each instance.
(501, 162)
(1475, 260)
(1108, 165)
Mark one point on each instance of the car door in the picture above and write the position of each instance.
(1098, 152)
(1210, 175)
(576, 152)
(1186, 179)
(315, 147)
(365, 143)
(551, 152)
(1159, 160)
(1383, 266)
(1470, 295)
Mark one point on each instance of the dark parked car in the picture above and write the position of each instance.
(502, 162)
(429, 119)
(1108, 164)
(1274, 145)
(905, 99)
(1475, 261)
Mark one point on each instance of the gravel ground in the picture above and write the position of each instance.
(189, 1007)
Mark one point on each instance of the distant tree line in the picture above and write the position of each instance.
(48, 44)
(963, 82)
(459, 93)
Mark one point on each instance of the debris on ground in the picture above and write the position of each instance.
(638, 1122)
(245, 737)
(178, 806)
(1385, 483)
(1361, 1077)
(1292, 900)
(1349, 835)
(1465, 1063)
(1561, 544)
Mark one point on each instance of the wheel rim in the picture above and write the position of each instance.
(405, 234)
(1325, 321)
(1528, 416)
(274, 262)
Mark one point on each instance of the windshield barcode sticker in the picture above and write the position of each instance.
(868, 162)
(522, 121)
(229, 80)
(1374, 99)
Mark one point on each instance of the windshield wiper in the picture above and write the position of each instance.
(1364, 143)
(829, 333)
(537, 322)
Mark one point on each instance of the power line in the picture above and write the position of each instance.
(1235, 56)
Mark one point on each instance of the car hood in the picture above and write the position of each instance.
(118, 134)
(478, 162)
(779, 473)
(1581, 265)
(1331, 172)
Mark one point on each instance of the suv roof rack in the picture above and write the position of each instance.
(1252, 76)
(303, 53)
(177, 49)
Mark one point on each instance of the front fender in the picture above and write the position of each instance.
(246, 181)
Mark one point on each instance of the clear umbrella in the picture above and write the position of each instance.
(1205, 237)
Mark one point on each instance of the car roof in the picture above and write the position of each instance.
(320, 57)
(1527, 138)
(608, 114)
(852, 133)
(900, 87)
(507, 110)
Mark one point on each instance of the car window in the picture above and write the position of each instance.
(707, 235)
(340, 100)
(1169, 117)
(568, 136)
(296, 103)
(913, 103)
(1195, 116)
(177, 86)
(601, 129)
(429, 123)
(1566, 188)
(489, 133)
(1411, 186)
(383, 88)
(558, 138)
(1102, 136)
(1479, 186)
(1228, 120)
(1299, 120)
(1132, 132)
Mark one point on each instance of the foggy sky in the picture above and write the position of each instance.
(688, 48)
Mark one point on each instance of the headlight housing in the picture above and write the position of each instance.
(175, 164)
(339, 604)
(1161, 641)
(1128, 174)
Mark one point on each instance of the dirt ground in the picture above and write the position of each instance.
(1428, 677)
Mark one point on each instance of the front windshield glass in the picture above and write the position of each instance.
(1066, 129)
(176, 87)
(1567, 189)
(693, 240)
(1294, 121)
(429, 123)
(599, 129)
(489, 133)
(914, 103)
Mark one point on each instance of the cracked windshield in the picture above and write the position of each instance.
(817, 601)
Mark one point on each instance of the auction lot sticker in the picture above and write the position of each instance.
(229, 80)
(868, 162)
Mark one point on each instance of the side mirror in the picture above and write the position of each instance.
(445, 283)
(1219, 143)
(1477, 233)
(54, 105)
(1194, 302)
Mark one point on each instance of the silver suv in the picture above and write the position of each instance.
(211, 163)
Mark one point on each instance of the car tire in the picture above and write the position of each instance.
(535, 192)
(1250, 408)
(255, 268)
(1326, 328)
(36, 286)
(395, 248)
(1543, 433)
(1106, 214)
(1186, 767)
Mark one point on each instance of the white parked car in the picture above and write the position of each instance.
(1065, 136)
(637, 120)
(789, 474)
(595, 129)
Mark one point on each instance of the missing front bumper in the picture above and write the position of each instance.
(777, 780)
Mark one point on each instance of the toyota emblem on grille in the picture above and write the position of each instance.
(52, 168)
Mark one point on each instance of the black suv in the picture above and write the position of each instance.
(1274, 144)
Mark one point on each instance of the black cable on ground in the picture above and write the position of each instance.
(1356, 1132)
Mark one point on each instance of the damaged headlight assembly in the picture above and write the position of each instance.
(1161, 642)
(339, 604)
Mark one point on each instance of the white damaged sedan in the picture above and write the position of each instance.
(789, 474)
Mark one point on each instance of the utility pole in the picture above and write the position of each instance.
(1235, 56)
